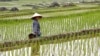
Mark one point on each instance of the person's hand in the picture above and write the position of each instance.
(34, 33)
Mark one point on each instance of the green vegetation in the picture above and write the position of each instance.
(15, 27)
(79, 40)
(49, 25)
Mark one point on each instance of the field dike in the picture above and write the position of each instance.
(84, 43)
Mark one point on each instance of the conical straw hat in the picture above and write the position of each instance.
(36, 15)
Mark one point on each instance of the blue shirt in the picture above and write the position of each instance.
(36, 28)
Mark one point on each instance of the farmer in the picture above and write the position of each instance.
(36, 26)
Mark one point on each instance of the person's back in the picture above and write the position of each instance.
(36, 28)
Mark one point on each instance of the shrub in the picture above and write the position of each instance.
(68, 4)
(35, 7)
(14, 9)
(3, 9)
(28, 5)
(54, 4)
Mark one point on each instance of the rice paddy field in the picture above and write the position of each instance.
(16, 27)
(78, 45)
(50, 25)
(19, 3)
(23, 2)
(81, 47)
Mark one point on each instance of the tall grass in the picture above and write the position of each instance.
(12, 30)
(73, 39)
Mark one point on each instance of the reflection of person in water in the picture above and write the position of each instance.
(36, 25)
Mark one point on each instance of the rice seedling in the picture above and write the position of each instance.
(87, 45)
(49, 26)
(84, 42)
